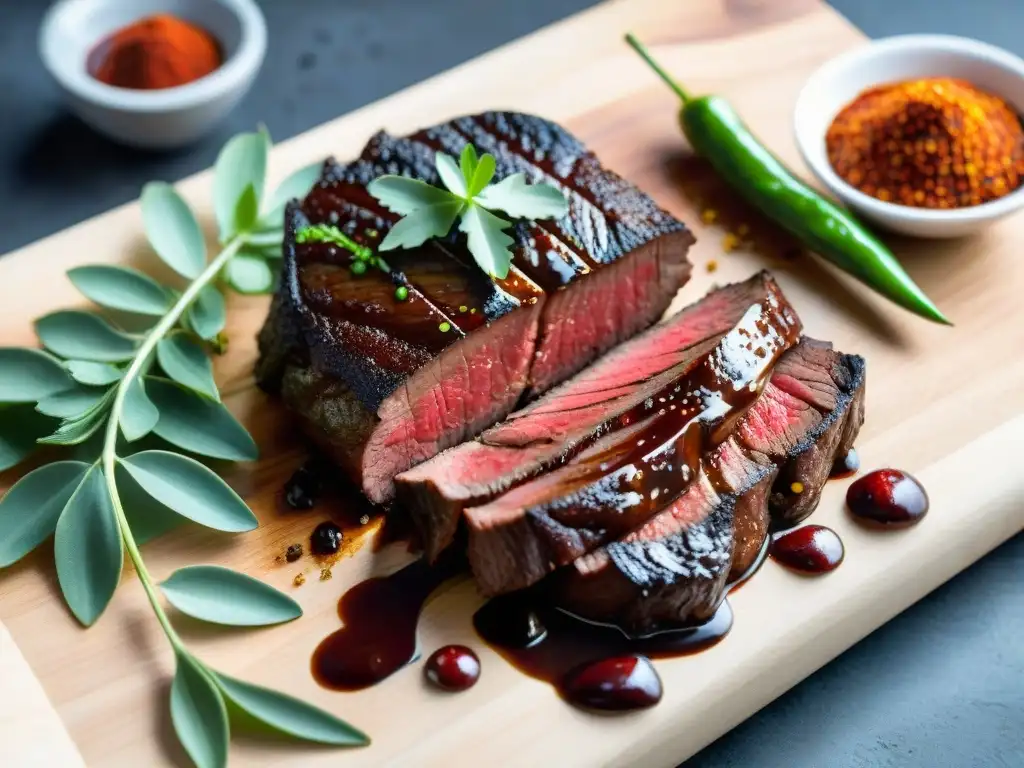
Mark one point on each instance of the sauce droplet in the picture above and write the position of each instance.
(810, 549)
(325, 539)
(303, 487)
(846, 465)
(615, 684)
(453, 668)
(887, 498)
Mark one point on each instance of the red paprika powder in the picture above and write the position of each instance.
(156, 52)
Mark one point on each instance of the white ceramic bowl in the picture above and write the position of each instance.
(893, 59)
(159, 119)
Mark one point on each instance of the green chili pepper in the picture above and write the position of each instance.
(717, 132)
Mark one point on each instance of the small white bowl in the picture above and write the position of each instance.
(159, 119)
(907, 57)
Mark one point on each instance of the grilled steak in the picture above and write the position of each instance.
(625, 478)
(672, 571)
(618, 388)
(383, 384)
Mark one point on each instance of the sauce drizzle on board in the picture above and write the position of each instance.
(887, 498)
(811, 549)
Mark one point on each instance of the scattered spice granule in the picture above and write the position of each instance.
(325, 573)
(472, 311)
(299, 580)
(293, 553)
(709, 215)
(712, 265)
(730, 242)
(796, 487)
(364, 520)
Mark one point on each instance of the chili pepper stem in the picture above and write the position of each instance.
(637, 46)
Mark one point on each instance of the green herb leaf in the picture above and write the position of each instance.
(71, 403)
(191, 489)
(138, 414)
(249, 274)
(208, 315)
(488, 243)
(78, 429)
(172, 229)
(403, 195)
(121, 288)
(522, 201)
(199, 715)
(186, 362)
(83, 335)
(468, 161)
(223, 596)
(92, 373)
(421, 225)
(241, 163)
(87, 549)
(198, 424)
(290, 716)
(20, 428)
(248, 210)
(30, 375)
(30, 509)
(482, 175)
(450, 174)
(147, 517)
(295, 186)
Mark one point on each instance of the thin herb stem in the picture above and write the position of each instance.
(659, 70)
(139, 365)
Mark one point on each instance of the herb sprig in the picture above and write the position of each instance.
(99, 389)
(430, 211)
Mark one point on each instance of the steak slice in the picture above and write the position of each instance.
(673, 570)
(618, 387)
(384, 384)
(600, 495)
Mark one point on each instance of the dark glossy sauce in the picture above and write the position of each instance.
(762, 554)
(453, 668)
(303, 489)
(845, 465)
(326, 539)
(887, 498)
(809, 549)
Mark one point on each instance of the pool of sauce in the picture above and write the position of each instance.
(887, 498)
(845, 465)
(810, 549)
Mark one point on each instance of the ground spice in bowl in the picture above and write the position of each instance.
(932, 143)
(153, 53)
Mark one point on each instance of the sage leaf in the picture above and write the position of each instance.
(186, 362)
(241, 163)
(247, 211)
(249, 274)
(172, 230)
(93, 373)
(265, 240)
(83, 335)
(482, 175)
(403, 195)
(121, 288)
(138, 414)
(30, 509)
(30, 375)
(198, 713)
(524, 201)
(71, 403)
(223, 596)
(21, 426)
(296, 186)
(78, 429)
(290, 716)
(468, 162)
(450, 174)
(421, 225)
(198, 424)
(147, 518)
(191, 489)
(487, 242)
(207, 315)
(87, 549)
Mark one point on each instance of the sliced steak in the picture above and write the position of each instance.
(618, 388)
(600, 495)
(384, 384)
(673, 570)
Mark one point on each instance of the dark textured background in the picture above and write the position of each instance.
(941, 686)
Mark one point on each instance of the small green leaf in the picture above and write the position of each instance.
(30, 375)
(121, 288)
(172, 229)
(482, 175)
(207, 315)
(403, 195)
(83, 335)
(199, 715)
(421, 225)
(487, 242)
(223, 596)
(198, 424)
(186, 362)
(78, 429)
(247, 211)
(249, 274)
(20, 429)
(522, 201)
(450, 174)
(468, 161)
(92, 373)
(290, 716)
(30, 509)
(71, 403)
(241, 163)
(87, 549)
(147, 517)
(190, 489)
(138, 414)
(296, 186)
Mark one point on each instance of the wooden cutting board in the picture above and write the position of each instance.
(945, 404)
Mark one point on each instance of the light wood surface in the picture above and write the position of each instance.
(945, 404)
